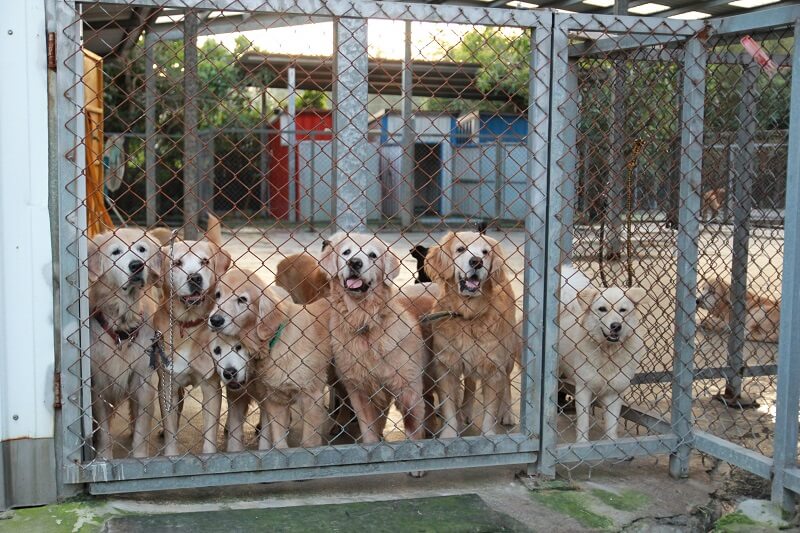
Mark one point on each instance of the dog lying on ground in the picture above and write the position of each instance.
(478, 340)
(600, 347)
(763, 314)
(123, 266)
(377, 343)
(189, 274)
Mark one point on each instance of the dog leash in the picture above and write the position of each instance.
(433, 317)
(169, 367)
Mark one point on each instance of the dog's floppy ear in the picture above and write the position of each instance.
(635, 294)
(160, 235)
(498, 272)
(269, 317)
(328, 259)
(586, 297)
(94, 260)
(214, 230)
(438, 262)
(155, 265)
(221, 262)
(391, 266)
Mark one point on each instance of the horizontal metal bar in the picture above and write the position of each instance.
(170, 31)
(767, 18)
(350, 454)
(791, 479)
(731, 453)
(376, 10)
(628, 24)
(616, 449)
(294, 474)
(707, 373)
(654, 423)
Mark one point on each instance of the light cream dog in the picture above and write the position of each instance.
(377, 342)
(123, 265)
(763, 314)
(301, 276)
(600, 347)
(479, 340)
(189, 274)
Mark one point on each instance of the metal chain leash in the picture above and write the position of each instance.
(171, 359)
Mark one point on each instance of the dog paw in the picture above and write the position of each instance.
(417, 473)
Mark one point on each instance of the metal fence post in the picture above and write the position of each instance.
(350, 125)
(788, 393)
(615, 197)
(691, 154)
(191, 139)
(407, 159)
(291, 141)
(744, 166)
(150, 168)
(499, 177)
(263, 156)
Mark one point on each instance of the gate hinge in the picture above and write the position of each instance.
(51, 50)
(57, 390)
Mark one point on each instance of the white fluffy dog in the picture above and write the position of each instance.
(600, 348)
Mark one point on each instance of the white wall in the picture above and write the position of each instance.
(26, 296)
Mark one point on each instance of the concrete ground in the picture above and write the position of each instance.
(629, 496)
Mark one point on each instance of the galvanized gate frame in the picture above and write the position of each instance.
(549, 164)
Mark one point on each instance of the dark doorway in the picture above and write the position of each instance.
(427, 187)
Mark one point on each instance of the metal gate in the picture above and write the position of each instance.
(591, 108)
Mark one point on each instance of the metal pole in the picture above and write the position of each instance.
(691, 162)
(406, 185)
(499, 178)
(744, 170)
(615, 199)
(350, 124)
(150, 157)
(191, 139)
(788, 394)
(620, 7)
(539, 379)
(312, 184)
(263, 160)
(291, 141)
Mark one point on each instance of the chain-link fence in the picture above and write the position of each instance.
(485, 247)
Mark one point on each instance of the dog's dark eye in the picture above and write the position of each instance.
(177, 263)
(602, 309)
(372, 255)
(242, 299)
(116, 251)
(237, 347)
(346, 253)
(217, 295)
(204, 262)
(460, 250)
(623, 310)
(217, 350)
(141, 249)
(486, 252)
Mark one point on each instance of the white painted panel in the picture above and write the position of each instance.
(26, 294)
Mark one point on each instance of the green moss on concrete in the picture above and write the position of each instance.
(626, 500)
(449, 514)
(576, 505)
(78, 517)
(734, 523)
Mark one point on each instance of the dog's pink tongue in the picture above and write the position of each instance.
(472, 284)
(354, 283)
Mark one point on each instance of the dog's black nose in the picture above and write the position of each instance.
(229, 373)
(216, 321)
(195, 280)
(475, 262)
(135, 266)
(355, 264)
(616, 327)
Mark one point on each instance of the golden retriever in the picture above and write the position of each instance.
(712, 203)
(763, 314)
(123, 264)
(189, 274)
(478, 341)
(377, 343)
(600, 347)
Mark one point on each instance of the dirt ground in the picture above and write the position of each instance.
(654, 269)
